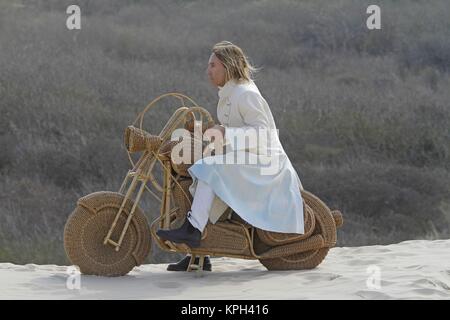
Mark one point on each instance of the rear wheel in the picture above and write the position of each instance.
(88, 226)
(299, 261)
(325, 226)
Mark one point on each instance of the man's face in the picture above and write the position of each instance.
(216, 71)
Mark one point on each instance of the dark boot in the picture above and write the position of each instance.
(183, 264)
(187, 234)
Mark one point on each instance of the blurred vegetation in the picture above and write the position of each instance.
(363, 115)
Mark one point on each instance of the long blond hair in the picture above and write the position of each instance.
(236, 64)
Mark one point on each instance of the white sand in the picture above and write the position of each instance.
(408, 270)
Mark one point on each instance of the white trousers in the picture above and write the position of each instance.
(201, 205)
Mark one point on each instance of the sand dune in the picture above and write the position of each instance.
(418, 269)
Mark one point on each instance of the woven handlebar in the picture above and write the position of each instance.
(136, 140)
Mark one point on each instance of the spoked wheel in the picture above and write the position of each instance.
(325, 226)
(88, 226)
(300, 261)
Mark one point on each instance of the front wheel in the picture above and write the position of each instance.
(87, 227)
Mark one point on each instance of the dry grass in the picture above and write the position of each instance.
(364, 116)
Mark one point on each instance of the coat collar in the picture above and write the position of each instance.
(226, 90)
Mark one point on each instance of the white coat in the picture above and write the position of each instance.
(265, 190)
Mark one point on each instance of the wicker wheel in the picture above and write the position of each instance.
(299, 261)
(87, 227)
(325, 226)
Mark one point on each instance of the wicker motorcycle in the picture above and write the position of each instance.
(108, 234)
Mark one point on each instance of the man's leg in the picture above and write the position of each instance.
(198, 217)
(190, 232)
(183, 264)
(201, 205)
